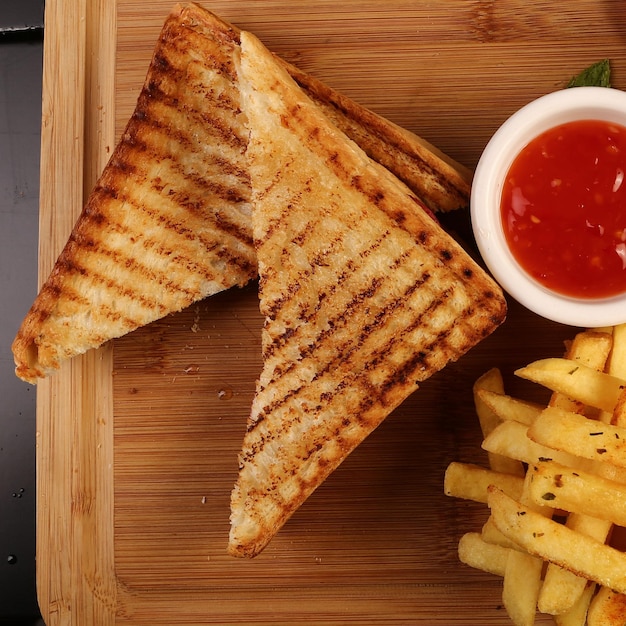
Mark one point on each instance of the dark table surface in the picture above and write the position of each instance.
(21, 36)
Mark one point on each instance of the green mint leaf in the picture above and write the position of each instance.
(596, 75)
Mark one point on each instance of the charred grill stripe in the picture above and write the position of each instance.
(153, 141)
(377, 146)
(353, 344)
(217, 58)
(301, 237)
(112, 287)
(440, 343)
(162, 71)
(349, 270)
(246, 264)
(328, 100)
(333, 324)
(214, 128)
(164, 143)
(275, 224)
(158, 104)
(341, 319)
(418, 322)
(384, 314)
(209, 52)
(133, 266)
(361, 380)
(121, 288)
(293, 288)
(206, 238)
(194, 199)
(241, 256)
(104, 310)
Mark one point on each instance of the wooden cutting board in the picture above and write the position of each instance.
(137, 442)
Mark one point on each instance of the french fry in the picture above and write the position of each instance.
(577, 491)
(489, 381)
(617, 360)
(577, 615)
(576, 381)
(522, 581)
(492, 381)
(554, 542)
(607, 608)
(477, 553)
(594, 527)
(562, 590)
(510, 408)
(470, 482)
(610, 471)
(522, 577)
(491, 534)
(616, 366)
(618, 417)
(575, 450)
(592, 349)
(511, 439)
(580, 436)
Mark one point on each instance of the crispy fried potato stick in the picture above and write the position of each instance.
(579, 436)
(520, 589)
(492, 381)
(511, 439)
(577, 614)
(555, 485)
(470, 482)
(510, 408)
(576, 380)
(477, 553)
(562, 591)
(607, 608)
(553, 542)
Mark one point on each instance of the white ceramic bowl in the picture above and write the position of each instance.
(556, 108)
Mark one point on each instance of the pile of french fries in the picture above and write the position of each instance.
(555, 486)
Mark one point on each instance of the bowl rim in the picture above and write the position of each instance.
(539, 115)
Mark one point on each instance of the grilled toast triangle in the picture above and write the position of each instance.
(363, 295)
(168, 222)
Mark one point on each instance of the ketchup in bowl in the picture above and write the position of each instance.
(563, 208)
(548, 206)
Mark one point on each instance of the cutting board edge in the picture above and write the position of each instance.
(75, 570)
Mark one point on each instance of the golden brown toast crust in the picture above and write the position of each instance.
(363, 296)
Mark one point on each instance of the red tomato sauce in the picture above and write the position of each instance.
(563, 209)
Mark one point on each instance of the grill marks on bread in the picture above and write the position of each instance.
(363, 297)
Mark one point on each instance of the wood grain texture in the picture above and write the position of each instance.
(74, 409)
(137, 442)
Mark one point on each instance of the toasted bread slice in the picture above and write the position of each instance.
(363, 295)
(168, 222)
